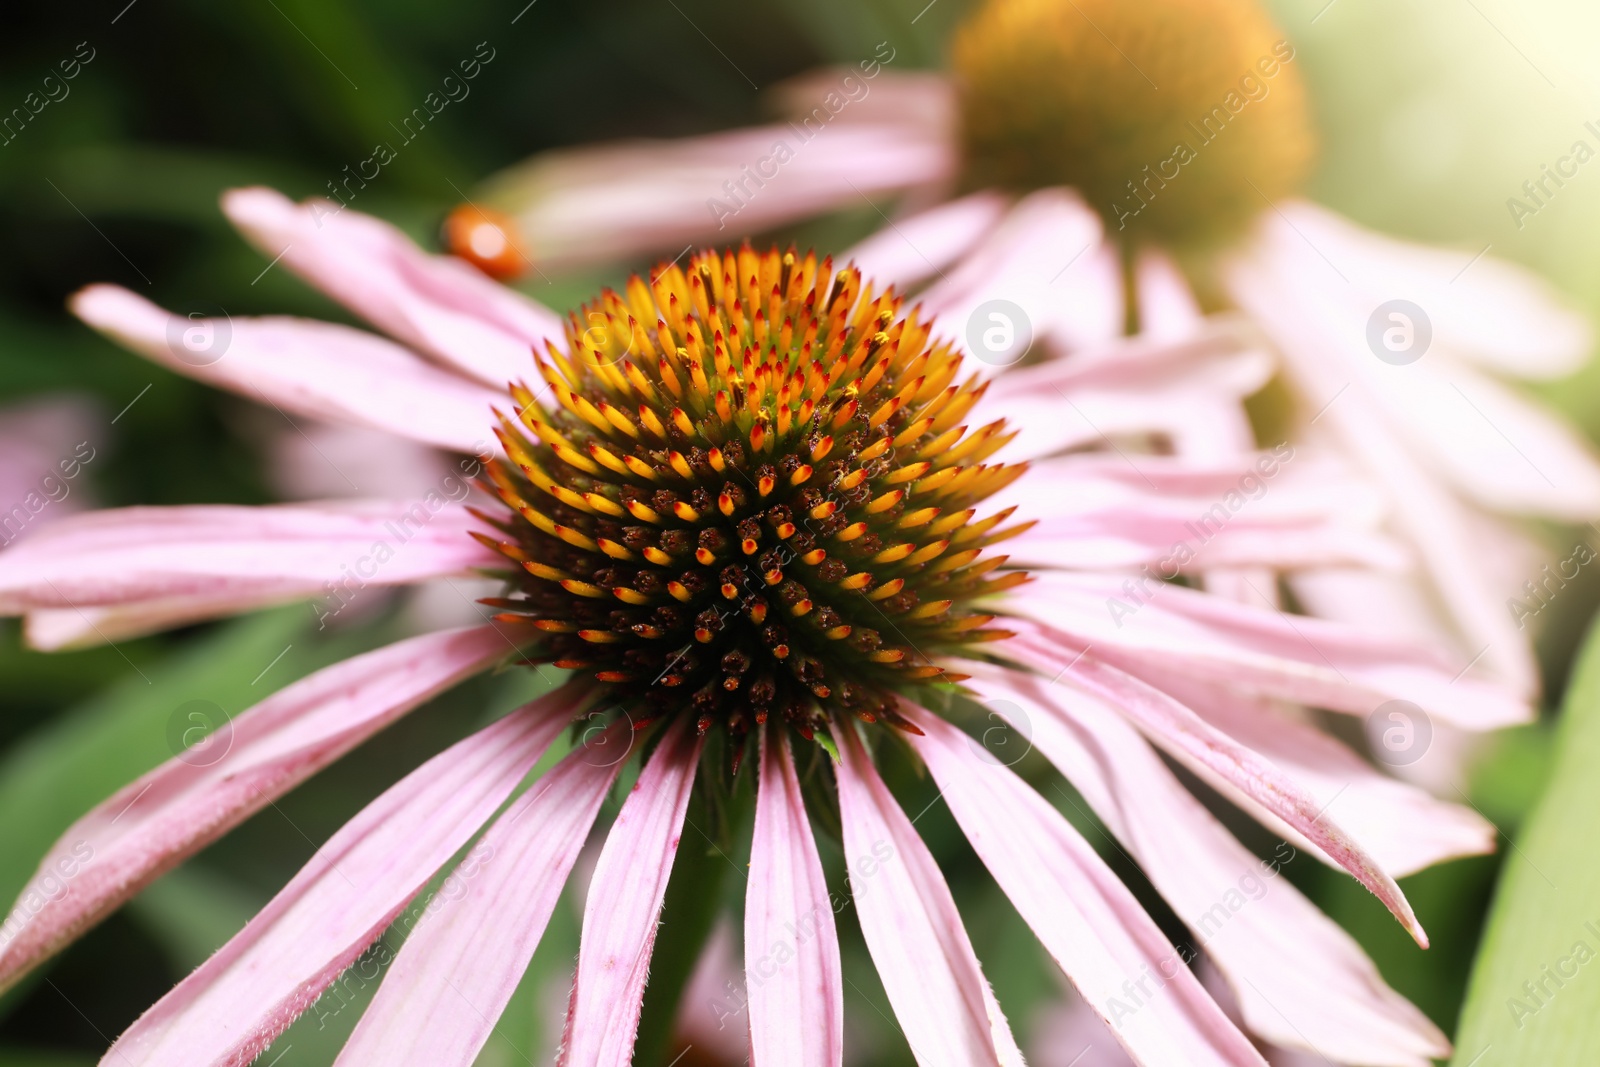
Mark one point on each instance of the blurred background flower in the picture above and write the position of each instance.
(121, 123)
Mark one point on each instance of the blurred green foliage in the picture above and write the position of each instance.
(1532, 1000)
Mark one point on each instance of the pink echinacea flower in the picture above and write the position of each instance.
(753, 503)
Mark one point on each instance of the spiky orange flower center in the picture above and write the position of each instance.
(750, 490)
(1176, 118)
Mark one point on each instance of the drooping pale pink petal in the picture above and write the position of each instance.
(1405, 828)
(58, 629)
(712, 1013)
(355, 885)
(1096, 479)
(624, 905)
(1505, 451)
(1142, 625)
(46, 442)
(1212, 496)
(1355, 595)
(604, 203)
(791, 950)
(1131, 388)
(935, 985)
(1095, 929)
(147, 827)
(1501, 449)
(1327, 359)
(1382, 416)
(1130, 538)
(236, 558)
(909, 250)
(457, 971)
(1067, 1033)
(1107, 511)
(303, 367)
(1168, 310)
(1220, 427)
(1300, 979)
(298, 462)
(1495, 313)
(1492, 635)
(1177, 728)
(1047, 257)
(436, 304)
(876, 93)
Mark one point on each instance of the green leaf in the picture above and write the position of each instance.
(826, 741)
(1535, 993)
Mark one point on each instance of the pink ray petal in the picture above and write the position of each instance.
(1100, 512)
(1300, 980)
(711, 1007)
(1129, 539)
(309, 368)
(1067, 1033)
(1047, 257)
(902, 97)
(1325, 354)
(56, 629)
(1491, 643)
(237, 558)
(1086, 918)
(1179, 729)
(1506, 452)
(944, 1004)
(791, 948)
(1143, 625)
(238, 1001)
(1168, 309)
(1503, 450)
(1220, 427)
(1404, 827)
(457, 971)
(149, 826)
(1100, 477)
(1280, 486)
(624, 905)
(908, 250)
(46, 442)
(1500, 315)
(603, 203)
(1133, 387)
(436, 304)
